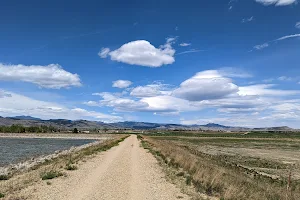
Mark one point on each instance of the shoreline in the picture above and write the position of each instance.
(30, 163)
(56, 136)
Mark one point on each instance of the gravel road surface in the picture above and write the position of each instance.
(126, 171)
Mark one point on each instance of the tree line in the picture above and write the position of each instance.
(16, 128)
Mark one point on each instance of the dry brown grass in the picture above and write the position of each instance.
(22, 180)
(215, 177)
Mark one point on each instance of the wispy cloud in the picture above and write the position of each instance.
(261, 46)
(189, 51)
(287, 37)
(297, 25)
(185, 44)
(230, 4)
(104, 52)
(233, 72)
(247, 19)
(267, 44)
(285, 78)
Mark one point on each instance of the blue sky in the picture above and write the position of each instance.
(193, 62)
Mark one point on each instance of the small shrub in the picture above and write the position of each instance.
(2, 195)
(48, 183)
(4, 177)
(139, 137)
(188, 180)
(51, 175)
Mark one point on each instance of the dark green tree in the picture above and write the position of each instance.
(75, 130)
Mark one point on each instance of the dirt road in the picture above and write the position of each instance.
(126, 172)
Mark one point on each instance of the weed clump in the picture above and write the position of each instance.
(4, 177)
(2, 195)
(51, 175)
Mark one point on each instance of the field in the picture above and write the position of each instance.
(234, 166)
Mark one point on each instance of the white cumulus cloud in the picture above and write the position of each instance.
(205, 85)
(121, 83)
(51, 76)
(143, 53)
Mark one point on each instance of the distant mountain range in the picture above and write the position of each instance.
(25, 117)
(65, 124)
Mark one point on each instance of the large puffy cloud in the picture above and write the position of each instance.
(167, 104)
(277, 2)
(13, 104)
(205, 85)
(121, 83)
(51, 76)
(143, 53)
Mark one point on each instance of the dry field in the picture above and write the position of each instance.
(234, 167)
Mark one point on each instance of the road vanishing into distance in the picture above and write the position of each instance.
(126, 171)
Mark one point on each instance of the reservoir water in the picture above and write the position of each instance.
(14, 150)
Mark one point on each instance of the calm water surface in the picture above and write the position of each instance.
(14, 150)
